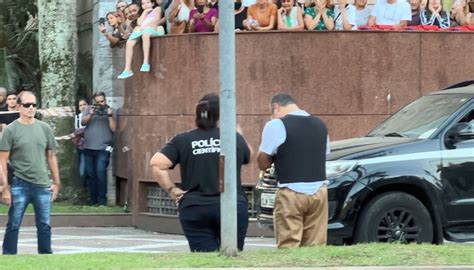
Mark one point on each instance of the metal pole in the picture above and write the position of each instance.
(227, 127)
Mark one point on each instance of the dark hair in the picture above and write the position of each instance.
(207, 111)
(77, 104)
(21, 94)
(98, 94)
(11, 93)
(283, 99)
(139, 3)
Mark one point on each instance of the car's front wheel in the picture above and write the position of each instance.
(394, 217)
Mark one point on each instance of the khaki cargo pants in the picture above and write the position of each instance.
(299, 219)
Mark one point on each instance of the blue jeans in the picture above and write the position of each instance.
(82, 167)
(23, 193)
(96, 174)
(202, 226)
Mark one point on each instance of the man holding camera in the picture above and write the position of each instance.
(100, 122)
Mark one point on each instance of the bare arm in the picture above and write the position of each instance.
(469, 19)
(112, 40)
(371, 20)
(192, 26)
(311, 22)
(156, 21)
(270, 26)
(327, 20)
(53, 166)
(6, 196)
(85, 120)
(210, 24)
(112, 123)
(403, 24)
(264, 161)
(143, 16)
(159, 165)
(345, 20)
(175, 7)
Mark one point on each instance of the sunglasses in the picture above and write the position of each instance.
(28, 105)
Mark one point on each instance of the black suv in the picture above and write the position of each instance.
(411, 179)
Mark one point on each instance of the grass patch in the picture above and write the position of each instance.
(358, 255)
(67, 208)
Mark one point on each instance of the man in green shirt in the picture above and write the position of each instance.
(27, 144)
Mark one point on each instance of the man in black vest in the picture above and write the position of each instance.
(297, 144)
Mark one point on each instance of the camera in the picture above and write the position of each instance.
(100, 109)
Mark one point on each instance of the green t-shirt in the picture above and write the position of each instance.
(27, 145)
(320, 26)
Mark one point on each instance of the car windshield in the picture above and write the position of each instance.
(420, 118)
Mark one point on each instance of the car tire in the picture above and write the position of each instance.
(394, 217)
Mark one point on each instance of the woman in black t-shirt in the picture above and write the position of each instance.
(197, 151)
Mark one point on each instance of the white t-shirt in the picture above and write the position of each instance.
(391, 14)
(293, 18)
(351, 17)
(274, 135)
(362, 16)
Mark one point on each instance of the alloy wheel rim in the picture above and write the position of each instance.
(398, 225)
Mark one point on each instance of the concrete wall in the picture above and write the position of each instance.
(352, 80)
(108, 62)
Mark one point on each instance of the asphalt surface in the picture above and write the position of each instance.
(68, 240)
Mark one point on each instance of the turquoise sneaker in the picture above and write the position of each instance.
(125, 74)
(145, 68)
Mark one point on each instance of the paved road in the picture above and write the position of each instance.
(67, 240)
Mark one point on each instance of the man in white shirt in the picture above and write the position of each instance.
(391, 12)
(297, 144)
(344, 16)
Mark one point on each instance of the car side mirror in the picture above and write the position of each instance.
(459, 132)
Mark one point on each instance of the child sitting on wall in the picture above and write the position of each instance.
(147, 27)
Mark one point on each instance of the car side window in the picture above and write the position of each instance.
(461, 134)
(466, 128)
(468, 119)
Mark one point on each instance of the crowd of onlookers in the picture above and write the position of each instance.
(140, 20)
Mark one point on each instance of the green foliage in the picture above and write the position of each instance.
(329, 256)
(19, 60)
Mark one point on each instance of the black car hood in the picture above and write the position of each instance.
(349, 147)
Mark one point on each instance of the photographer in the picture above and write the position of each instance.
(100, 122)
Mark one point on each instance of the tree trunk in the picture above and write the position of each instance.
(57, 31)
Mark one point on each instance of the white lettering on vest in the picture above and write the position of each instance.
(206, 146)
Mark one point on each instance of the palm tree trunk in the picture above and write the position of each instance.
(57, 31)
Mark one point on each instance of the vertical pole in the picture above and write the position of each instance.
(227, 127)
